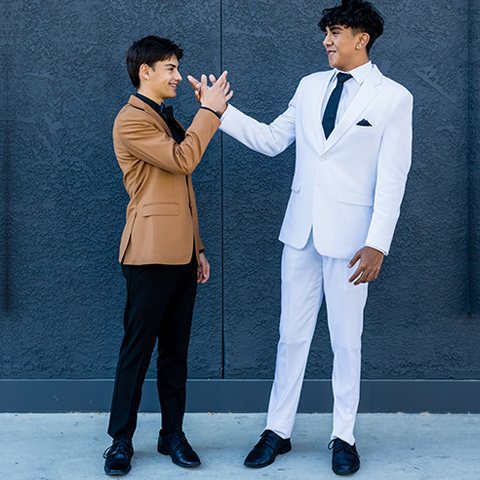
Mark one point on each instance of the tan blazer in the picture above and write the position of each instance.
(162, 221)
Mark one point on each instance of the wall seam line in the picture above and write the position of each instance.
(469, 154)
(222, 208)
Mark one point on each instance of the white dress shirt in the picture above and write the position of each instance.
(350, 88)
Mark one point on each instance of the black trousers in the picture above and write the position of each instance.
(159, 307)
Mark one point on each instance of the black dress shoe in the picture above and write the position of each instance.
(265, 451)
(345, 458)
(117, 457)
(176, 445)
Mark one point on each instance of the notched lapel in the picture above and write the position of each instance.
(368, 91)
(137, 103)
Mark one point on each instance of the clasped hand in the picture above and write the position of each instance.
(215, 96)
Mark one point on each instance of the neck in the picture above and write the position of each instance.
(146, 93)
(357, 64)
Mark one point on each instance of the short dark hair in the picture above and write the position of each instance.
(149, 50)
(357, 15)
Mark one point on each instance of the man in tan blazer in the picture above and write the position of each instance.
(161, 252)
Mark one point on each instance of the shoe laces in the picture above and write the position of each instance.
(176, 438)
(338, 444)
(119, 446)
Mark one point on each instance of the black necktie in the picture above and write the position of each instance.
(330, 114)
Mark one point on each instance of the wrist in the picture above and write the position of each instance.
(222, 110)
(211, 110)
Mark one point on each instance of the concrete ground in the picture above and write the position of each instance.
(391, 446)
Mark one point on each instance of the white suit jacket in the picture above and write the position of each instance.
(349, 187)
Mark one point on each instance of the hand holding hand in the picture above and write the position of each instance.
(196, 86)
(370, 260)
(214, 97)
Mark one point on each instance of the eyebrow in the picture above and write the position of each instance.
(171, 65)
(335, 27)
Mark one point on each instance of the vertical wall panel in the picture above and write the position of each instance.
(267, 48)
(474, 156)
(67, 197)
(6, 41)
(416, 323)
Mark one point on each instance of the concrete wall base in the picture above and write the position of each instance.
(240, 396)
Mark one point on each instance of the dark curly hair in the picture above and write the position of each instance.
(149, 50)
(357, 15)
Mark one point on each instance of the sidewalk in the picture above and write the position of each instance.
(391, 446)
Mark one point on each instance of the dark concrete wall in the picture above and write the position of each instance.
(67, 202)
(474, 155)
(63, 201)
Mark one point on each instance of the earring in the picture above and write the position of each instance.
(357, 47)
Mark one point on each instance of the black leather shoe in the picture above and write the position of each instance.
(345, 458)
(176, 445)
(265, 451)
(117, 457)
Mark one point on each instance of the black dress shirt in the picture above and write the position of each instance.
(178, 133)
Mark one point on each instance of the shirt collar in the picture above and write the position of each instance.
(149, 102)
(359, 74)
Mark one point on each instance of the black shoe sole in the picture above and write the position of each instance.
(117, 472)
(351, 472)
(283, 450)
(164, 451)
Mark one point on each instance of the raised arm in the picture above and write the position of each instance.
(270, 139)
(137, 133)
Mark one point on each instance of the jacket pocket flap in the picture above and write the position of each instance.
(352, 198)
(296, 184)
(160, 209)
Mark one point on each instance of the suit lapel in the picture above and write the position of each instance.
(316, 100)
(137, 103)
(367, 92)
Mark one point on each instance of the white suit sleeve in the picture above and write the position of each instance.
(394, 161)
(269, 139)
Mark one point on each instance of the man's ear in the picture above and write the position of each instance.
(144, 71)
(363, 39)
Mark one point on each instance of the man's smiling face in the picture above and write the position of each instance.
(163, 78)
(345, 47)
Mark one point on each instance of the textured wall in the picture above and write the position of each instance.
(416, 324)
(474, 155)
(65, 79)
(67, 199)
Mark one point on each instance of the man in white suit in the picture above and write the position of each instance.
(353, 133)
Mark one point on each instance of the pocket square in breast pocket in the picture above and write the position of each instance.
(364, 123)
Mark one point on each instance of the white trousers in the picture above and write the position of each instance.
(306, 277)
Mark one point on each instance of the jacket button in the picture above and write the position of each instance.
(323, 158)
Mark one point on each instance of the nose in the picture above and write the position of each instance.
(178, 77)
(327, 40)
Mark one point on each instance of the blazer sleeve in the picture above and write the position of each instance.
(269, 139)
(395, 156)
(142, 137)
